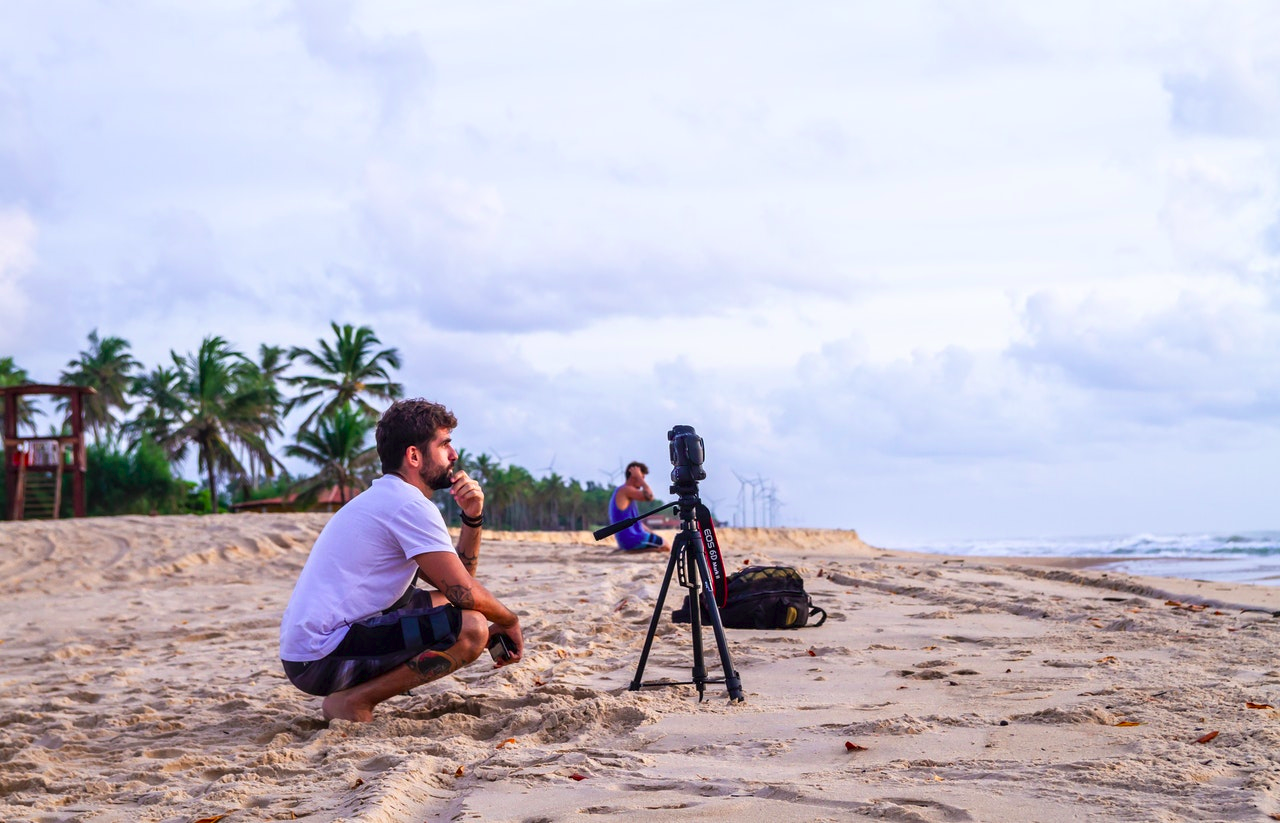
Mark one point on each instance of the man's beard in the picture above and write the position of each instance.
(436, 479)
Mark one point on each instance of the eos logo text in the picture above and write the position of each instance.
(710, 538)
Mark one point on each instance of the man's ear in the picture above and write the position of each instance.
(413, 456)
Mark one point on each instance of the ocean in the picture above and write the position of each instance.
(1243, 557)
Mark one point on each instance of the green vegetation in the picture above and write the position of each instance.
(105, 366)
(336, 448)
(516, 500)
(11, 375)
(139, 481)
(227, 410)
(347, 373)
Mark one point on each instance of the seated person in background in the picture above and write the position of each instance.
(624, 504)
(348, 633)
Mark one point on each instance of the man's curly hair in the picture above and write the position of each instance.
(409, 423)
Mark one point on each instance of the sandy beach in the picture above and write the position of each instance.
(139, 681)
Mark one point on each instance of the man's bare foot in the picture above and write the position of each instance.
(341, 706)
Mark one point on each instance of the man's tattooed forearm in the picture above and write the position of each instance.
(461, 597)
(433, 665)
(469, 559)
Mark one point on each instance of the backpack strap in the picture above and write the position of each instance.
(816, 610)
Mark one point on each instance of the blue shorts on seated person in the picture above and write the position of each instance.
(647, 542)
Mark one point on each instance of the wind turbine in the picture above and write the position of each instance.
(742, 500)
(713, 505)
(616, 475)
(771, 500)
(758, 500)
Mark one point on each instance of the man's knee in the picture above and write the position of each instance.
(473, 636)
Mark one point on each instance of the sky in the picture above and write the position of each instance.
(926, 270)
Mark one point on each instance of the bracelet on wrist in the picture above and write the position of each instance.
(474, 522)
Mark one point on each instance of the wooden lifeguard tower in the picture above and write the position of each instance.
(41, 462)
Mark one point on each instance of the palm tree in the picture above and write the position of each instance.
(224, 404)
(162, 407)
(106, 367)
(547, 495)
(506, 495)
(576, 498)
(348, 370)
(11, 375)
(272, 362)
(336, 447)
(485, 466)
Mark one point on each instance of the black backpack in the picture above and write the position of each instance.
(761, 597)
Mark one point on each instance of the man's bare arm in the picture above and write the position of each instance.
(445, 571)
(628, 493)
(470, 499)
(469, 549)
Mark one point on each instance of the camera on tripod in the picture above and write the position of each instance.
(687, 453)
(696, 555)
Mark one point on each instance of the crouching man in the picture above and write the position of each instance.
(356, 630)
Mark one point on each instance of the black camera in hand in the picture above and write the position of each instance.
(687, 454)
(501, 648)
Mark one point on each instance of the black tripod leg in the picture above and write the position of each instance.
(695, 618)
(637, 682)
(731, 679)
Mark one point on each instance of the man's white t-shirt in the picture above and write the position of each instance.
(360, 564)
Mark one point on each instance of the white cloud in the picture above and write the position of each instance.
(1223, 79)
(925, 267)
(1222, 201)
(1201, 349)
(395, 64)
(17, 241)
(25, 173)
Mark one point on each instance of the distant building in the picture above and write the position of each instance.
(662, 521)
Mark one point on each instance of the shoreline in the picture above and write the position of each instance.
(140, 683)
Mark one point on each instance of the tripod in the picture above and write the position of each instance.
(689, 561)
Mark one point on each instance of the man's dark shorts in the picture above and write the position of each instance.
(378, 644)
